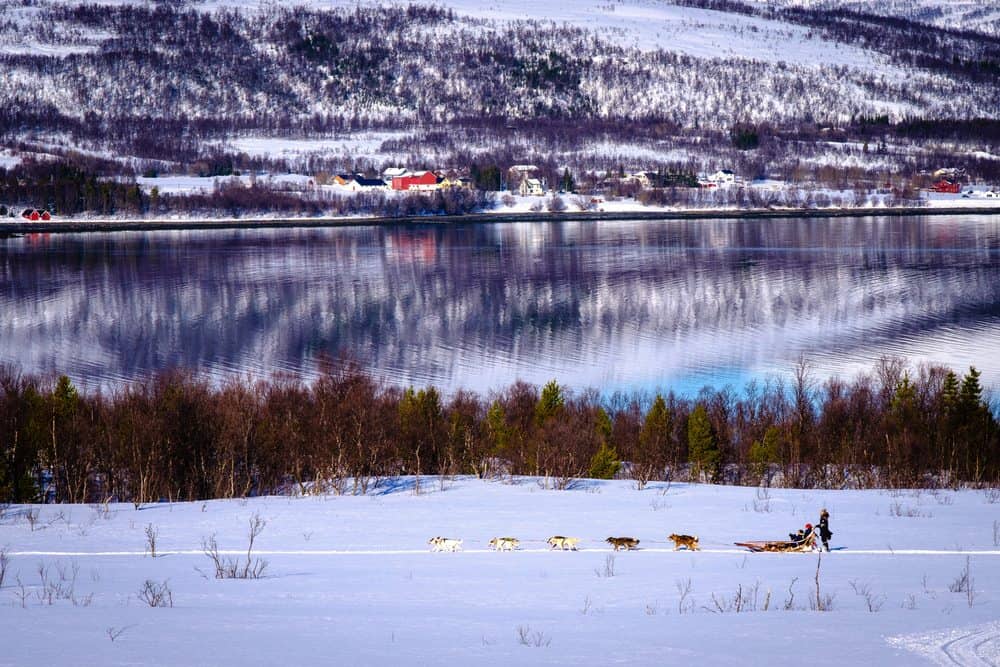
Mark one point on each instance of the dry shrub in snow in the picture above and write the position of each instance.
(156, 595)
(525, 637)
(236, 568)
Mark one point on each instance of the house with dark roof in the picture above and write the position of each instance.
(359, 183)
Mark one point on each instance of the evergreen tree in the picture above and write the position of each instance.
(485, 178)
(567, 181)
(547, 439)
(22, 437)
(65, 403)
(975, 429)
(604, 464)
(948, 422)
(766, 451)
(496, 423)
(654, 447)
(603, 426)
(703, 450)
(154, 199)
(902, 423)
(421, 424)
(550, 403)
(745, 137)
(970, 397)
(949, 391)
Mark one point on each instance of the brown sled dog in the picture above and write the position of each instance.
(625, 543)
(690, 542)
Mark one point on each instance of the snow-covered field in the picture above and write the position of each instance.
(351, 579)
(358, 145)
(186, 185)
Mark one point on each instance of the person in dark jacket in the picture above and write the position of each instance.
(824, 528)
(801, 536)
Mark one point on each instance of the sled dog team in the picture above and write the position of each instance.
(804, 540)
(563, 543)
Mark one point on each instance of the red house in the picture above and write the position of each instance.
(46, 215)
(418, 180)
(944, 185)
(31, 214)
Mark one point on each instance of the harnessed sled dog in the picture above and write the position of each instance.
(689, 542)
(564, 543)
(619, 543)
(444, 544)
(504, 543)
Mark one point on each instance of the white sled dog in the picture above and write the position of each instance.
(564, 543)
(504, 543)
(444, 544)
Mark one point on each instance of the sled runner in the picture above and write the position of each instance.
(806, 545)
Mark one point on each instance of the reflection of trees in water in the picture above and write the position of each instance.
(408, 300)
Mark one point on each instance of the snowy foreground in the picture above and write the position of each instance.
(351, 578)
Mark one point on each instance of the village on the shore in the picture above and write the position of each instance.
(526, 187)
(526, 180)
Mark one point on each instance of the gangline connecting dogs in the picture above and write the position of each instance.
(563, 543)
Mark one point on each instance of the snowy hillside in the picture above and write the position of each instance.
(351, 578)
(979, 15)
(634, 59)
(832, 93)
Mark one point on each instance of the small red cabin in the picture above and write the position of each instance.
(34, 215)
(944, 185)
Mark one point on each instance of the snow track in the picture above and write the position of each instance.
(977, 646)
(397, 552)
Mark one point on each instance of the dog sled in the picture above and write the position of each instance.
(781, 546)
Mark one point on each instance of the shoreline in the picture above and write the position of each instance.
(162, 224)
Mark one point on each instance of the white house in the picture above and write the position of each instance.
(723, 177)
(519, 172)
(531, 187)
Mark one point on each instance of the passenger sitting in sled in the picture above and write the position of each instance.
(801, 536)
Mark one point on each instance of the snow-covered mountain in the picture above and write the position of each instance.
(591, 85)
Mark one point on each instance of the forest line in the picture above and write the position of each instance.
(175, 436)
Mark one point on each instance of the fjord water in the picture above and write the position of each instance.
(608, 305)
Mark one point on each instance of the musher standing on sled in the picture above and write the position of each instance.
(824, 528)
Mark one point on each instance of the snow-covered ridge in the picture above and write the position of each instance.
(639, 24)
(980, 15)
